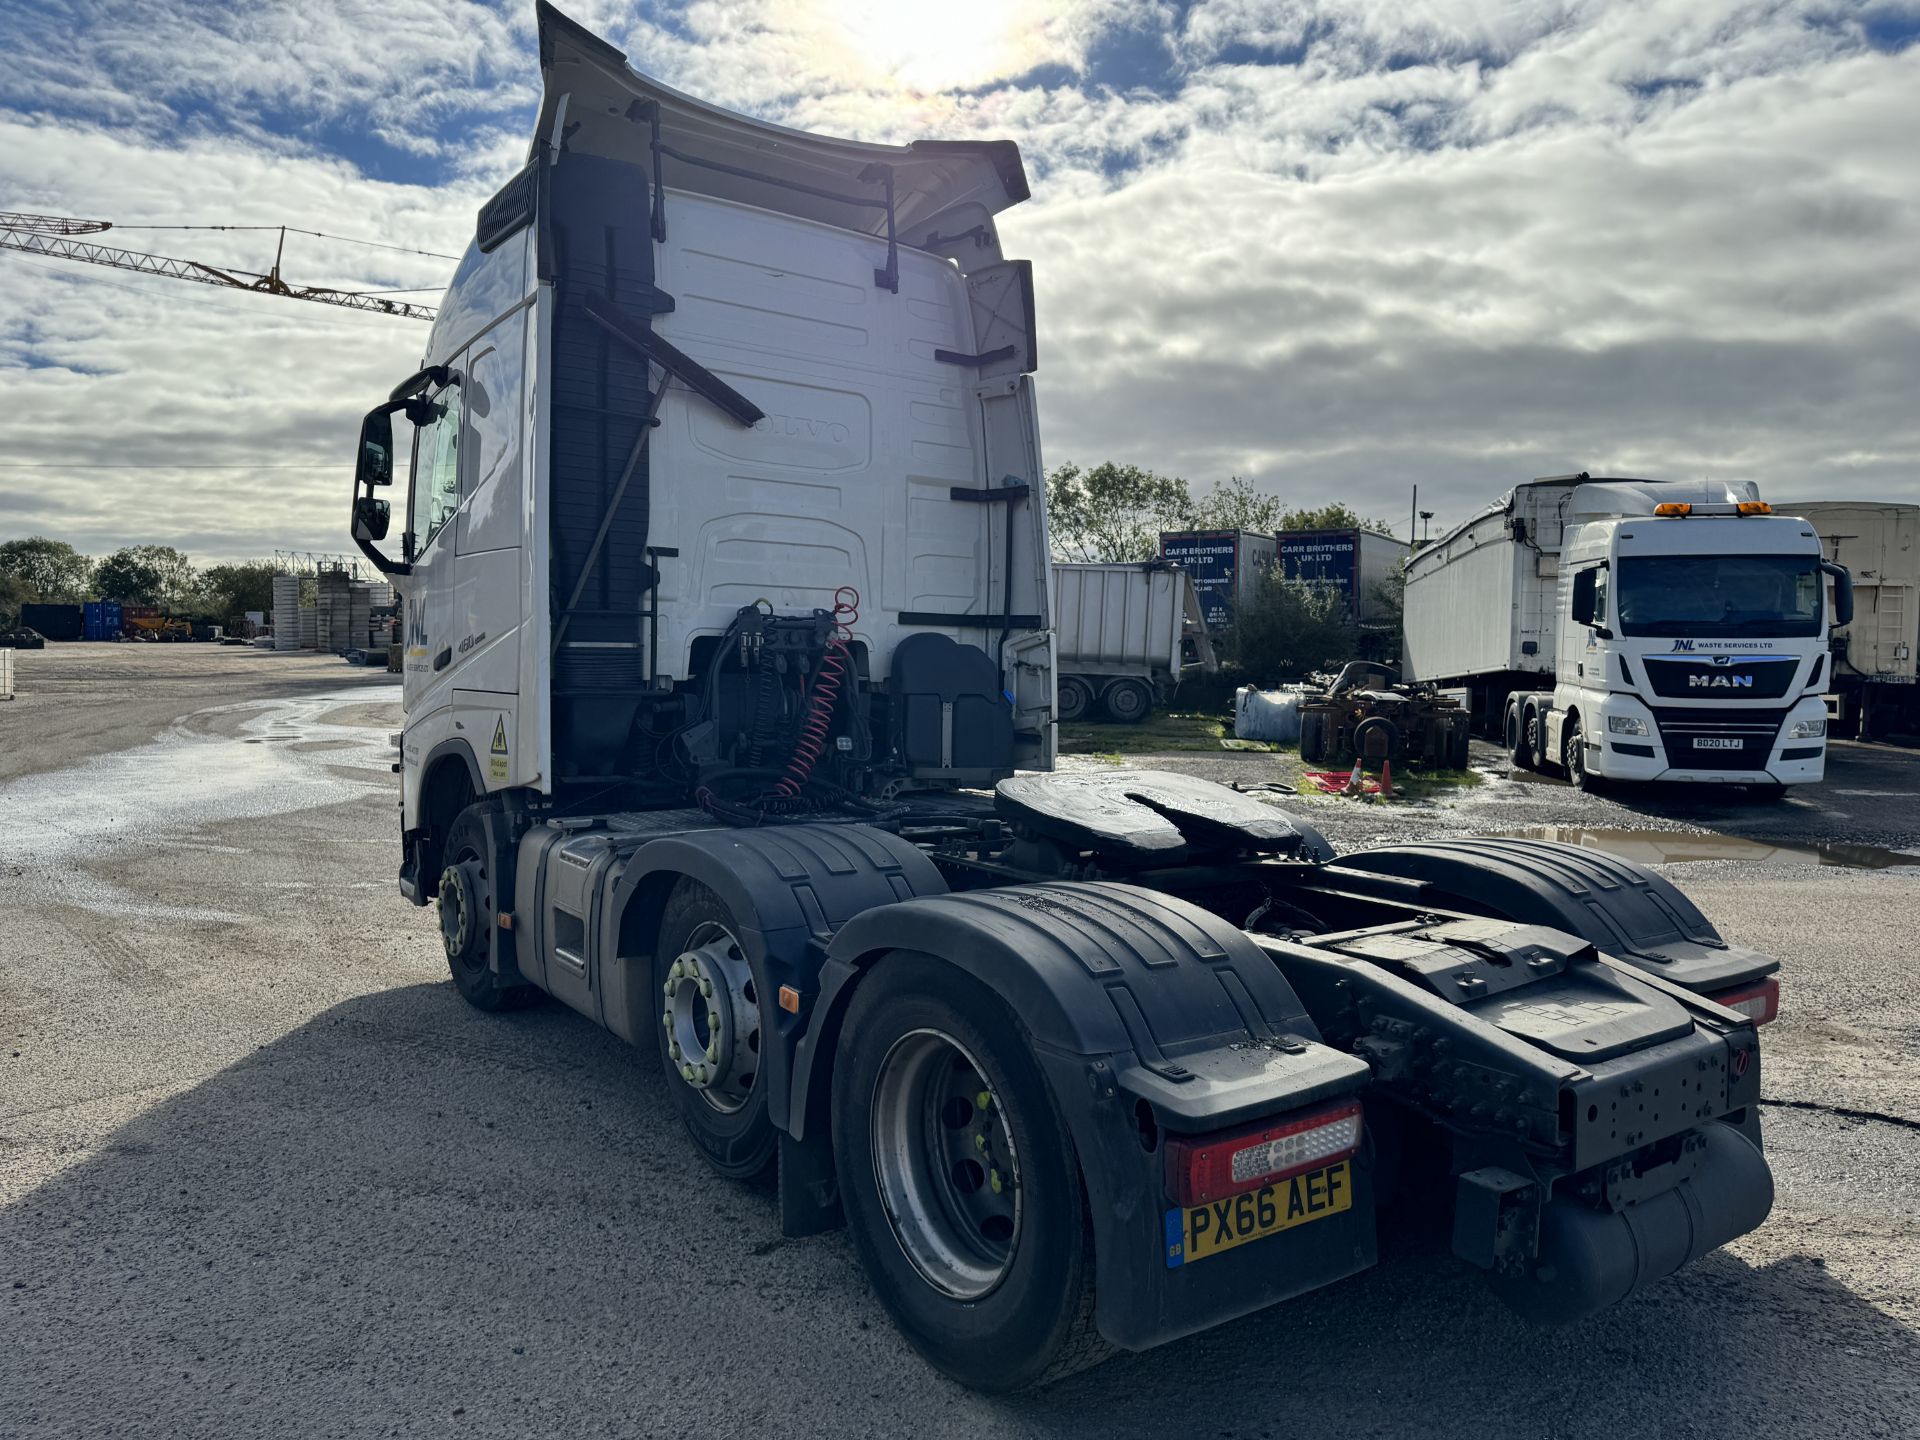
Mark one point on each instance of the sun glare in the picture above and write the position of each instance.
(910, 45)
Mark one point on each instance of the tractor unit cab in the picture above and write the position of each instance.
(725, 476)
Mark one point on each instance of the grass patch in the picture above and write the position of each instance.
(1158, 734)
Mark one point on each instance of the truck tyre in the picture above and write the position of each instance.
(467, 918)
(1313, 736)
(1129, 701)
(960, 1182)
(1520, 736)
(711, 1015)
(1576, 758)
(1459, 745)
(1377, 725)
(1076, 699)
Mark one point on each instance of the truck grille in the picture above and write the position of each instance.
(1756, 729)
(1704, 680)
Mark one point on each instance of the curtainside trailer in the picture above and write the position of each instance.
(729, 680)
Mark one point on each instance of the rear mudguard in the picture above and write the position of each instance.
(1625, 910)
(1148, 1016)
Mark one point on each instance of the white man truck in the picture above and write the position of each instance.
(729, 691)
(1634, 630)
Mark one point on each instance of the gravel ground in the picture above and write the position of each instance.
(262, 1173)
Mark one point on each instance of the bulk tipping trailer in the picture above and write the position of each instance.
(729, 692)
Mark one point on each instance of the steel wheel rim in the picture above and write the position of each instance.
(1576, 756)
(711, 1014)
(945, 1164)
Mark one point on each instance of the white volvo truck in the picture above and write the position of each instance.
(1634, 630)
(729, 690)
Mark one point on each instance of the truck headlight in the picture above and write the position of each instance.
(1807, 729)
(1626, 725)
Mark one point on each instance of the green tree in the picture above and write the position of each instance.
(1290, 629)
(58, 573)
(1235, 504)
(1114, 512)
(1336, 515)
(236, 589)
(156, 575)
(14, 592)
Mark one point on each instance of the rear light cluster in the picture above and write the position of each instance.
(1211, 1167)
(1759, 1002)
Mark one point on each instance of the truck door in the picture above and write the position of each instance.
(435, 498)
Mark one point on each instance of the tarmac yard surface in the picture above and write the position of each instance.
(263, 1173)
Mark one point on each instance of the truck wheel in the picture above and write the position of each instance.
(1129, 701)
(709, 1040)
(1076, 699)
(1576, 756)
(959, 1179)
(467, 918)
(1313, 736)
(1520, 737)
(1381, 726)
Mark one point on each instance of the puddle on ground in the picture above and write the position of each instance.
(1663, 847)
(197, 774)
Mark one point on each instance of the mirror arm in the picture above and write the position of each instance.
(381, 562)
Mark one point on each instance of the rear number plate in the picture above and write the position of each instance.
(1718, 742)
(1206, 1230)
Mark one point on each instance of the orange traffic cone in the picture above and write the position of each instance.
(1386, 779)
(1354, 781)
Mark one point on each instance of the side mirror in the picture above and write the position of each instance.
(1584, 590)
(1842, 591)
(373, 467)
(370, 519)
(375, 463)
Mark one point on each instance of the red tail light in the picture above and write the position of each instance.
(1211, 1167)
(1759, 1002)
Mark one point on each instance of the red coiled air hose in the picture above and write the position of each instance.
(815, 727)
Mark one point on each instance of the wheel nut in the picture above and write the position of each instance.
(673, 1049)
(706, 987)
(979, 1142)
(677, 971)
(713, 1052)
(993, 1179)
(700, 1074)
(983, 1099)
(686, 1073)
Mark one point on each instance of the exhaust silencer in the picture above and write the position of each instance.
(1590, 1259)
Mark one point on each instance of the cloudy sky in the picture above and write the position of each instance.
(1340, 247)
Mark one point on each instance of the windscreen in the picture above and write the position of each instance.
(1719, 595)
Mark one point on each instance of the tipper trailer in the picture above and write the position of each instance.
(1634, 630)
(1080, 1060)
(1122, 635)
(1872, 682)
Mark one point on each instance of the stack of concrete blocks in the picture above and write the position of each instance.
(359, 615)
(334, 605)
(309, 628)
(286, 612)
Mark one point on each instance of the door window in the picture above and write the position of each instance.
(436, 469)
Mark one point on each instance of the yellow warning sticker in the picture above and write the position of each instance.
(500, 736)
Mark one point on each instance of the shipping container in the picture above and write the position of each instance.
(1356, 564)
(1121, 633)
(55, 622)
(102, 620)
(1226, 565)
(1873, 680)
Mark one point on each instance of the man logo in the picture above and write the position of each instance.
(1719, 682)
(1723, 659)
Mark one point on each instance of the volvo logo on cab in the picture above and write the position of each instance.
(1719, 682)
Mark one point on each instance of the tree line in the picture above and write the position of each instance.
(40, 570)
(1115, 513)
